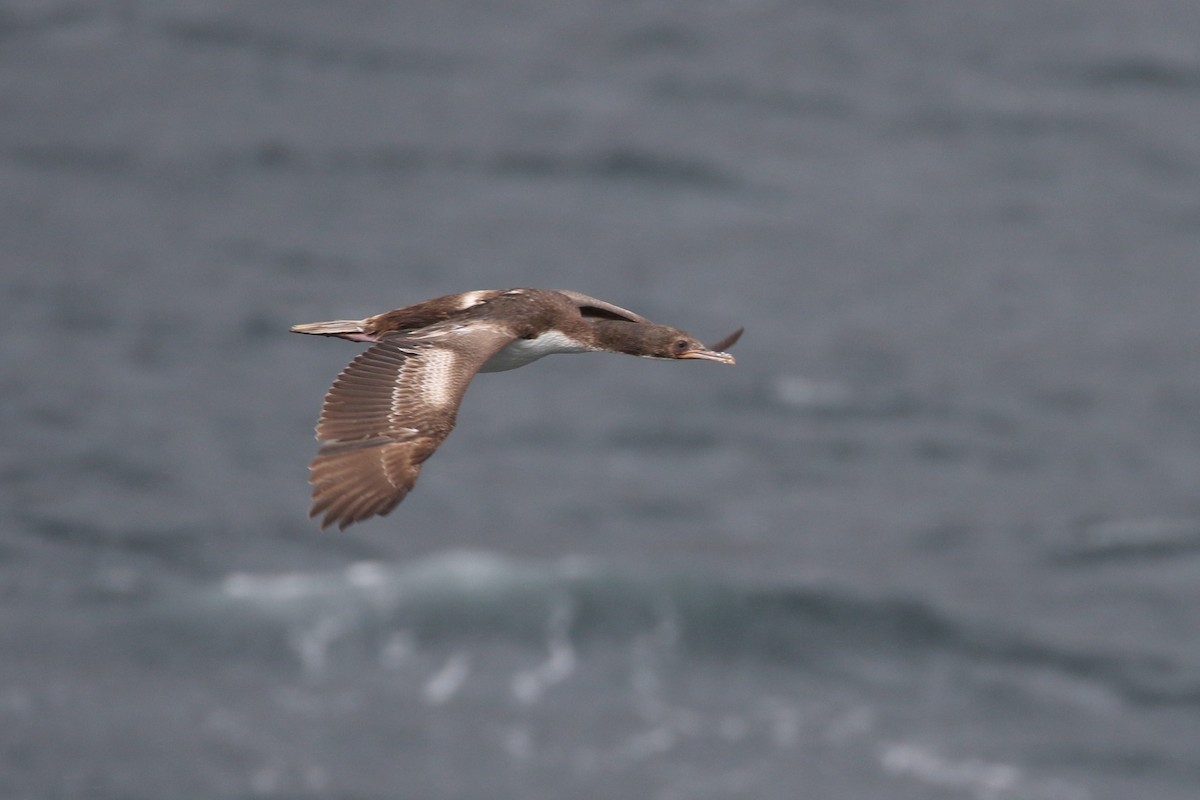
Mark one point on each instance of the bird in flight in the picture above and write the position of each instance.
(394, 404)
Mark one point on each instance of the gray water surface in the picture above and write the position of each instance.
(937, 535)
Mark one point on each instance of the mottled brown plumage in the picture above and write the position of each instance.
(388, 411)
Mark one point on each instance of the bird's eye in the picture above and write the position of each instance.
(681, 345)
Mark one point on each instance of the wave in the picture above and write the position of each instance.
(1105, 540)
(471, 597)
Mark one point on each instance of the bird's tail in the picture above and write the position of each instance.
(352, 329)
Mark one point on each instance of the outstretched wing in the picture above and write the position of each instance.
(387, 412)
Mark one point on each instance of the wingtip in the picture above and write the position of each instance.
(729, 341)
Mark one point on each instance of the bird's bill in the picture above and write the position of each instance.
(716, 351)
(709, 355)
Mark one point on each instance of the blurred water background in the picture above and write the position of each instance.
(937, 535)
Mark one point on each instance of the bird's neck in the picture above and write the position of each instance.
(620, 336)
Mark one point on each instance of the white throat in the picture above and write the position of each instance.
(526, 351)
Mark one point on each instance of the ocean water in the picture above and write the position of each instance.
(937, 534)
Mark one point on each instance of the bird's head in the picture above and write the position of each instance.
(662, 341)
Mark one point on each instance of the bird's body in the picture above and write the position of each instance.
(394, 404)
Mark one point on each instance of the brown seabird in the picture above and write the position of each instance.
(395, 403)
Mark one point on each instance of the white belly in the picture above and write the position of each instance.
(526, 351)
